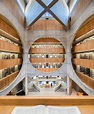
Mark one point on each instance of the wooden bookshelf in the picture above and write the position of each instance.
(10, 53)
(83, 53)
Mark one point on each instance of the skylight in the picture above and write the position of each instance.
(47, 15)
(47, 2)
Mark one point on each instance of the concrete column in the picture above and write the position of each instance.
(26, 90)
(69, 86)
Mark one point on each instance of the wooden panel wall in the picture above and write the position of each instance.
(87, 46)
(7, 80)
(78, 10)
(47, 50)
(46, 60)
(47, 25)
(13, 7)
(84, 62)
(9, 47)
(86, 79)
(5, 27)
(8, 63)
(86, 28)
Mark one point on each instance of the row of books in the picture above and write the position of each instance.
(47, 65)
(86, 40)
(10, 56)
(89, 55)
(47, 46)
(9, 71)
(47, 55)
(84, 70)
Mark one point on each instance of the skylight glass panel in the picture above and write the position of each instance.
(32, 12)
(72, 5)
(21, 5)
(47, 15)
(61, 11)
(47, 2)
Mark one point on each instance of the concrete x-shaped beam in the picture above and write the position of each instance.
(62, 20)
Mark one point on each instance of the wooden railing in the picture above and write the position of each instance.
(47, 69)
(87, 46)
(9, 47)
(5, 27)
(87, 63)
(88, 27)
(7, 80)
(57, 87)
(47, 50)
(36, 88)
(56, 101)
(86, 79)
(46, 60)
(7, 35)
(6, 63)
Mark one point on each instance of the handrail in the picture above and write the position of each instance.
(57, 87)
(35, 87)
(86, 79)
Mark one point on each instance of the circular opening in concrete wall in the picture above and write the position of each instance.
(83, 52)
(10, 53)
(47, 54)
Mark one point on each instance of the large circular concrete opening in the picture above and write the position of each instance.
(47, 54)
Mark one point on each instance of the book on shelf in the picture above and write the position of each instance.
(42, 109)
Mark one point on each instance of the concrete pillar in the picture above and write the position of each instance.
(69, 86)
(26, 90)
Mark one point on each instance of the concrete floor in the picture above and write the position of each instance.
(49, 92)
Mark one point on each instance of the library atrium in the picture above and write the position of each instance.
(47, 54)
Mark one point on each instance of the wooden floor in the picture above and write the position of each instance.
(83, 109)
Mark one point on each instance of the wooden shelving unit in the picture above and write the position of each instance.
(83, 54)
(10, 54)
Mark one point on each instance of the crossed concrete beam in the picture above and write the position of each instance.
(47, 9)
